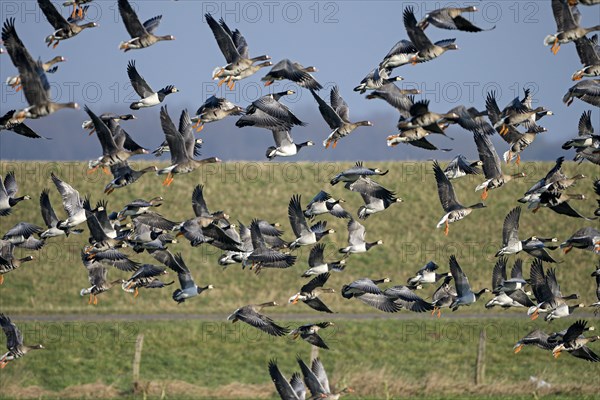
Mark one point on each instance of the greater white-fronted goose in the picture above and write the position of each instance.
(292, 390)
(427, 274)
(567, 25)
(356, 171)
(8, 262)
(395, 97)
(323, 203)
(317, 381)
(511, 244)
(454, 210)
(78, 11)
(235, 50)
(138, 207)
(376, 197)
(214, 109)
(421, 116)
(142, 35)
(575, 343)
(509, 292)
(284, 145)
(64, 29)
(292, 71)
(356, 239)
(317, 263)
(182, 146)
(309, 332)
(48, 67)
(8, 191)
(36, 86)
(492, 169)
(443, 296)
(10, 123)
(188, 288)
(426, 49)
(589, 56)
(14, 342)
(263, 256)
(415, 136)
(587, 90)
(472, 119)
(124, 175)
(376, 79)
(145, 277)
(450, 18)
(547, 292)
(585, 238)
(148, 97)
(251, 314)
(367, 291)
(310, 292)
(585, 134)
(517, 112)
(407, 299)
(459, 167)
(337, 116)
(305, 235)
(559, 203)
(268, 113)
(464, 294)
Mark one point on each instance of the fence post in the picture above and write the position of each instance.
(480, 366)
(137, 358)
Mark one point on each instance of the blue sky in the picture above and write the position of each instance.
(344, 40)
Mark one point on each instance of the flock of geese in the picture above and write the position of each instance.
(259, 244)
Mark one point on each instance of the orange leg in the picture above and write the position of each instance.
(95, 300)
(439, 312)
(518, 162)
(91, 171)
(91, 298)
(221, 82)
(168, 180)
(55, 44)
(231, 84)
(199, 128)
(484, 195)
(1, 279)
(413, 60)
(536, 209)
(518, 349)
(509, 157)
(92, 132)
(433, 311)
(3, 363)
(136, 293)
(334, 144)
(567, 249)
(218, 74)
(105, 170)
(327, 144)
(535, 315)
(446, 228)
(557, 354)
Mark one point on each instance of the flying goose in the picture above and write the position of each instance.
(585, 238)
(214, 109)
(72, 203)
(368, 291)
(78, 11)
(407, 299)
(284, 145)
(292, 390)
(356, 171)
(145, 277)
(51, 220)
(575, 343)
(337, 116)
(142, 35)
(427, 274)
(8, 191)
(426, 49)
(263, 256)
(415, 136)
(310, 333)
(443, 296)
(453, 209)
(587, 90)
(98, 274)
(376, 79)
(400, 54)
(586, 136)
(356, 239)
(450, 18)
(235, 49)
(395, 97)
(148, 97)
(34, 81)
(310, 292)
(317, 382)
(376, 197)
(491, 166)
(305, 235)
(465, 295)
(472, 119)
(251, 314)
(509, 292)
(547, 292)
(14, 342)
(64, 29)
(182, 146)
(10, 123)
(48, 67)
(124, 175)
(268, 113)
(567, 25)
(459, 167)
(292, 71)
(511, 244)
(8, 262)
(589, 55)
(318, 265)
(323, 203)
(189, 288)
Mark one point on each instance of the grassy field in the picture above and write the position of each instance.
(379, 358)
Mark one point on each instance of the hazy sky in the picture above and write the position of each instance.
(343, 39)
